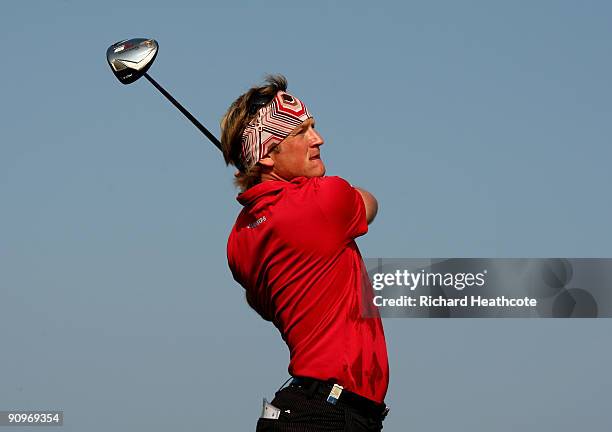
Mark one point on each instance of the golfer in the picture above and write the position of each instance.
(293, 250)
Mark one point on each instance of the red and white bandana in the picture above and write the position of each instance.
(274, 122)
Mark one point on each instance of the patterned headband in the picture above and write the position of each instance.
(274, 122)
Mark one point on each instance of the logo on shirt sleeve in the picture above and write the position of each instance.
(257, 222)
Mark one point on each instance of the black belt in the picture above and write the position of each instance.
(363, 405)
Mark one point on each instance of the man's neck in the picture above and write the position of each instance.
(269, 176)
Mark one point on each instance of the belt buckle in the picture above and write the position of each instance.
(334, 394)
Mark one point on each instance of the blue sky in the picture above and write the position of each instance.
(483, 128)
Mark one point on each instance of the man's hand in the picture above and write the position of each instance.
(371, 205)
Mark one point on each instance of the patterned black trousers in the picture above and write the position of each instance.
(301, 412)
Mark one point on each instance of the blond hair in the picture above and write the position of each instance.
(240, 113)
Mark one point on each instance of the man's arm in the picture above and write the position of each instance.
(371, 205)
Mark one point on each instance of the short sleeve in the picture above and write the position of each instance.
(342, 206)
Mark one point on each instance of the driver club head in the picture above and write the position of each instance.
(131, 58)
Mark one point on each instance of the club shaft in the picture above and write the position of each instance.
(187, 114)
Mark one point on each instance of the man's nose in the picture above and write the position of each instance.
(316, 139)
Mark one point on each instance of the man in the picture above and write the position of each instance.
(292, 248)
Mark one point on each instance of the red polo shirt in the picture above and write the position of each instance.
(292, 248)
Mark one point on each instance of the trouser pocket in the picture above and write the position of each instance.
(300, 413)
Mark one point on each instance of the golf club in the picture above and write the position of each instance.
(131, 58)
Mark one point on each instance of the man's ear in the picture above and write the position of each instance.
(267, 161)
